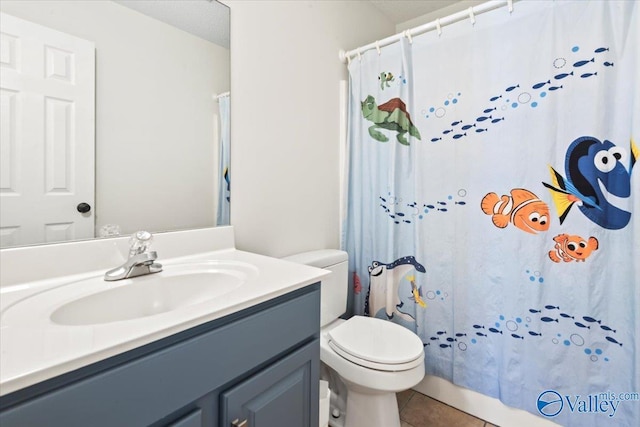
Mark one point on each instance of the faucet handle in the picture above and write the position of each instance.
(139, 242)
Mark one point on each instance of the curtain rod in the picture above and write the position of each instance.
(222, 95)
(434, 25)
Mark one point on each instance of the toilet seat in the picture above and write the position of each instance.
(376, 344)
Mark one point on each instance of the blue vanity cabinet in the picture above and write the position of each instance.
(274, 396)
(259, 365)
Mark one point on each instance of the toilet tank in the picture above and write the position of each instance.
(333, 289)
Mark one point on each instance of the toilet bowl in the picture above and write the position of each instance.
(374, 358)
(377, 371)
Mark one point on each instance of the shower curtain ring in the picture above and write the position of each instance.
(472, 16)
(407, 34)
(438, 27)
(378, 46)
(510, 4)
(359, 56)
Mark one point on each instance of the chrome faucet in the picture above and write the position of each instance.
(141, 261)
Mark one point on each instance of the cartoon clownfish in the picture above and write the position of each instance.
(523, 209)
(572, 248)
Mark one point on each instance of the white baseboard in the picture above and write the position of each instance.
(479, 405)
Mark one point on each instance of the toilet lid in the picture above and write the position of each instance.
(377, 344)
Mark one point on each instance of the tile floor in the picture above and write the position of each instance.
(418, 410)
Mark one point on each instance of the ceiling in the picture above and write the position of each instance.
(199, 16)
(204, 18)
(399, 11)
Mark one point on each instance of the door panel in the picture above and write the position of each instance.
(47, 100)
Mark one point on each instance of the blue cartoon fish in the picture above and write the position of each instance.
(583, 63)
(598, 179)
(539, 85)
(563, 75)
(228, 181)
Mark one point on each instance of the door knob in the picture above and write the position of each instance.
(238, 423)
(83, 207)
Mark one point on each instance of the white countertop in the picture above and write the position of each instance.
(33, 348)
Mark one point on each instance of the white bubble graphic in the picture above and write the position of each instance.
(524, 97)
(577, 340)
(559, 62)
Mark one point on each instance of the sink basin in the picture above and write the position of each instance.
(176, 287)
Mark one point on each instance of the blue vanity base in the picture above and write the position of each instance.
(260, 364)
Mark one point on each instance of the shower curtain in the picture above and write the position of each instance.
(493, 205)
(224, 178)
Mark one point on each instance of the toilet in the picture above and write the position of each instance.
(373, 358)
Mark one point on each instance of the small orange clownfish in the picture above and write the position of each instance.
(572, 248)
(523, 209)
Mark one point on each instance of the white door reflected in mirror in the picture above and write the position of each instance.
(48, 114)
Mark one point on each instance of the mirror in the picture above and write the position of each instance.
(121, 126)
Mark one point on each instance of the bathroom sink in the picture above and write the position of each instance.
(176, 287)
(94, 301)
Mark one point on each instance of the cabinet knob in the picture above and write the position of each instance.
(238, 423)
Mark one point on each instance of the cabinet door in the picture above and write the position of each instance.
(194, 419)
(284, 394)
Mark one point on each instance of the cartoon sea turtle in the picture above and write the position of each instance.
(385, 78)
(391, 115)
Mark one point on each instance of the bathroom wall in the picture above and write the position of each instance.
(141, 82)
(285, 118)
